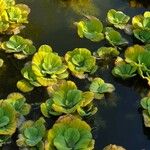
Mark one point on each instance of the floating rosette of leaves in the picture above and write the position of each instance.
(18, 101)
(117, 18)
(145, 103)
(113, 147)
(67, 99)
(19, 46)
(32, 134)
(30, 80)
(90, 28)
(141, 25)
(80, 61)
(142, 21)
(8, 121)
(114, 37)
(12, 16)
(99, 88)
(107, 52)
(48, 66)
(69, 132)
(138, 56)
(124, 71)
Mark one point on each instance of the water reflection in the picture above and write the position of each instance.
(81, 7)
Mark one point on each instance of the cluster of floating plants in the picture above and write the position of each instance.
(49, 70)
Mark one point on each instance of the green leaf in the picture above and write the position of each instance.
(72, 136)
(4, 121)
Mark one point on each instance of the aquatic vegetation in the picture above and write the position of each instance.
(18, 101)
(69, 132)
(12, 16)
(19, 46)
(145, 103)
(117, 18)
(48, 66)
(67, 99)
(99, 88)
(124, 71)
(32, 134)
(114, 37)
(91, 28)
(80, 61)
(30, 81)
(8, 121)
(1, 62)
(141, 25)
(107, 52)
(113, 147)
(136, 62)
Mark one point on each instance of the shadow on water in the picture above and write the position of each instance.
(118, 120)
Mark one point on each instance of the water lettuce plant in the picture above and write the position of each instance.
(18, 45)
(30, 80)
(18, 101)
(107, 52)
(113, 147)
(32, 134)
(99, 88)
(141, 25)
(90, 28)
(69, 132)
(117, 18)
(12, 16)
(124, 71)
(136, 62)
(67, 99)
(8, 121)
(138, 56)
(48, 66)
(114, 37)
(80, 61)
(145, 103)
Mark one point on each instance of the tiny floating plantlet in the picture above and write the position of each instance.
(67, 99)
(117, 18)
(19, 46)
(141, 25)
(90, 28)
(114, 37)
(69, 132)
(8, 121)
(80, 61)
(113, 147)
(99, 88)
(145, 103)
(32, 134)
(12, 16)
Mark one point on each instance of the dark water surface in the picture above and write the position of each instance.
(119, 120)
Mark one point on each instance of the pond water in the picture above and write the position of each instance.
(119, 120)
